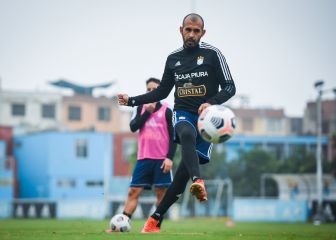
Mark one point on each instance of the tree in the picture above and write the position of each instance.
(216, 168)
(246, 171)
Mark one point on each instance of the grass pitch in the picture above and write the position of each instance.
(185, 229)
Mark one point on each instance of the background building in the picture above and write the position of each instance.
(85, 112)
(30, 111)
(59, 165)
(39, 111)
(328, 117)
(261, 121)
(6, 174)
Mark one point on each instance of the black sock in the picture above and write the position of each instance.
(160, 221)
(127, 214)
(156, 216)
(174, 191)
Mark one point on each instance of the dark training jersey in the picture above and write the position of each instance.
(200, 75)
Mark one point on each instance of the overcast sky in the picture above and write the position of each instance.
(276, 49)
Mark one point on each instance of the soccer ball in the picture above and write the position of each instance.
(120, 223)
(216, 124)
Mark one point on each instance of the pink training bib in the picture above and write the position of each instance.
(153, 136)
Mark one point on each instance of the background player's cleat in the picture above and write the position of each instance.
(198, 189)
(151, 226)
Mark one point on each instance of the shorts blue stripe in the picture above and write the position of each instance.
(189, 123)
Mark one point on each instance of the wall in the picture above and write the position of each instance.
(66, 166)
(6, 134)
(125, 149)
(31, 152)
(269, 210)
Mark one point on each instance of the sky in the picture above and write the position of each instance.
(276, 49)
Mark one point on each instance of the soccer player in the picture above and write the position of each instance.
(156, 149)
(197, 70)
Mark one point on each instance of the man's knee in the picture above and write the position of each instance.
(186, 132)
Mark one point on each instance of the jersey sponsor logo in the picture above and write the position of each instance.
(190, 75)
(192, 91)
(200, 60)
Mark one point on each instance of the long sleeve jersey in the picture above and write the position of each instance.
(200, 75)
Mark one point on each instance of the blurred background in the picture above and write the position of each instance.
(66, 150)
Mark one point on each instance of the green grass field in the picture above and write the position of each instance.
(196, 229)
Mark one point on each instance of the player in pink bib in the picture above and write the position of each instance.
(156, 149)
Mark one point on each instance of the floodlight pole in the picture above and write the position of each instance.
(319, 216)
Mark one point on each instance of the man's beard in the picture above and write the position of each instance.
(190, 43)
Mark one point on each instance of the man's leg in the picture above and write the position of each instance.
(187, 135)
(189, 165)
(132, 200)
(173, 193)
(160, 192)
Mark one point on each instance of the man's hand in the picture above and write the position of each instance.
(150, 107)
(202, 107)
(167, 165)
(123, 99)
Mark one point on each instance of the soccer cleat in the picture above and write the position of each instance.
(197, 188)
(151, 226)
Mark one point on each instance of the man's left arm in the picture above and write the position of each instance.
(223, 75)
(168, 162)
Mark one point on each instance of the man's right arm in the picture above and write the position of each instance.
(158, 94)
(139, 120)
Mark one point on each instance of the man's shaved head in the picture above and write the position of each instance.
(194, 17)
(192, 30)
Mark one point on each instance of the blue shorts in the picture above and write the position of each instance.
(148, 172)
(203, 148)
